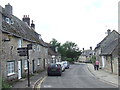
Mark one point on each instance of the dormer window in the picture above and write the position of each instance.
(12, 22)
(7, 20)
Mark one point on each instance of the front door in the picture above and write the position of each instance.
(19, 70)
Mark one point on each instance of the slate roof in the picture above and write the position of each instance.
(51, 50)
(108, 39)
(20, 29)
(110, 48)
(87, 52)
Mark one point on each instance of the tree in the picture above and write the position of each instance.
(69, 50)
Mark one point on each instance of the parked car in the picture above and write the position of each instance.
(66, 64)
(62, 65)
(54, 69)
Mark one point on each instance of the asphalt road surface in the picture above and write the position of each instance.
(77, 76)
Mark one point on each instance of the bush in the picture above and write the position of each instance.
(69, 60)
(5, 84)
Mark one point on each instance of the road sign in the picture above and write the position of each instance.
(29, 46)
(22, 51)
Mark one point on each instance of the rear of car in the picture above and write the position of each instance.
(62, 66)
(66, 64)
(54, 69)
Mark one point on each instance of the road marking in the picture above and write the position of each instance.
(47, 86)
(39, 85)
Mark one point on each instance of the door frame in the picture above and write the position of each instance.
(19, 69)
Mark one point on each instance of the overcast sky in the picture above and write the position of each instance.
(81, 21)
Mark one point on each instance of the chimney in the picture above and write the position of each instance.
(26, 19)
(83, 49)
(90, 48)
(32, 25)
(108, 31)
(9, 9)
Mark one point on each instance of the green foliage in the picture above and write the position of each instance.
(5, 84)
(68, 50)
(93, 59)
(69, 60)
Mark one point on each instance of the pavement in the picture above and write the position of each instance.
(103, 75)
(100, 74)
(23, 83)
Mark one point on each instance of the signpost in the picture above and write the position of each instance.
(24, 51)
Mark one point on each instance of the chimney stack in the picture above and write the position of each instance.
(32, 25)
(83, 49)
(9, 9)
(90, 48)
(26, 19)
(108, 31)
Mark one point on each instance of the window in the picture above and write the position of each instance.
(38, 61)
(11, 67)
(12, 22)
(7, 20)
(19, 43)
(25, 65)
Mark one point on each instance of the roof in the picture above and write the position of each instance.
(110, 48)
(108, 39)
(87, 53)
(20, 29)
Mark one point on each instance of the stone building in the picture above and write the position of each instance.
(107, 52)
(86, 55)
(16, 33)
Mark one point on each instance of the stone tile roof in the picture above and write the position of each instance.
(108, 39)
(51, 50)
(87, 52)
(20, 29)
(110, 48)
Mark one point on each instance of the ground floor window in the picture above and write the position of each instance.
(38, 61)
(11, 67)
(25, 65)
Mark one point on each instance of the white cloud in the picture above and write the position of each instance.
(81, 21)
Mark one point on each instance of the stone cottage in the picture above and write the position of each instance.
(16, 33)
(86, 55)
(107, 52)
(53, 54)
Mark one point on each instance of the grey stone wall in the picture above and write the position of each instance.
(1, 55)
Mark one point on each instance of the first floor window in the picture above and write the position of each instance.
(26, 66)
(11, 67)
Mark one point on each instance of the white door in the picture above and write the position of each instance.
(103, 62)
(19, 70)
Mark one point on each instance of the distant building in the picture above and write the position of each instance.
(86, 55)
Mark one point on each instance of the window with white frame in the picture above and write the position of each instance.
(38, 62)
(25, 65)
(11, 67)
(19, 43)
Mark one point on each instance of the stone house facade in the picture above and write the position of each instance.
(16, 33)
(107, 52)
(86, 55)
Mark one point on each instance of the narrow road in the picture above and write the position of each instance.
(77, 76)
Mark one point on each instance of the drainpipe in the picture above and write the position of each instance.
(111, 64)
